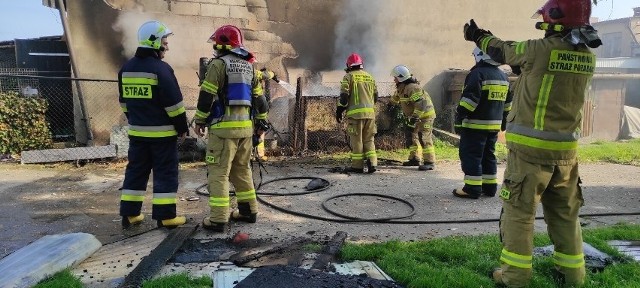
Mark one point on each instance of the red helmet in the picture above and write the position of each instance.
(354, 60)
(227, 35)
(569, 13)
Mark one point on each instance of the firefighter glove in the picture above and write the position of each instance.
(261, 125)
(339, 111)
(275, 78)
(472, 32)
(412, 122)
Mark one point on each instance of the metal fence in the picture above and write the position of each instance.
(85, 114)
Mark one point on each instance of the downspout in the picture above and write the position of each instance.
(74, 68)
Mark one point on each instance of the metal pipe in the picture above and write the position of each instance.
(65, 25)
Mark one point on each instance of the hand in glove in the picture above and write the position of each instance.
(339, 111)
(412, 122)
(457, 124)
(275, 78)
(473, 33)
(261, 126)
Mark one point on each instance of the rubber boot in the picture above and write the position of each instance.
(173, 222)
(127, 221)
(215, 227)
(370, 167)
(243, 214)
(411, 162)
(353, 170)
(427, 166)
(462, 194)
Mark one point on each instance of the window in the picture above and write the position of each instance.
(611, 45)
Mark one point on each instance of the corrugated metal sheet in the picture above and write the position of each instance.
(619, 62)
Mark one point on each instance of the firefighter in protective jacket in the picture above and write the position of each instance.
(151, 99)
(542, 134)
(418, 110)
(230, 90)
(358, 96)
(480, 115)
(263, 75)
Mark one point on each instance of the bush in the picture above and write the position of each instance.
(23, 125)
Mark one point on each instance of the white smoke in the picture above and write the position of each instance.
(128, 23)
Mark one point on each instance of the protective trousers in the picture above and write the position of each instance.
(557, 187)
(478, 160)
(361, 135)
(228, 161)
(145, 156)
(422, 142)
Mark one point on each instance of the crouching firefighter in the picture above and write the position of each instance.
(230, 90)
(263, 76)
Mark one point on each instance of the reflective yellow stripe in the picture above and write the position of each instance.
(360, 110)
(135, 80)
(428, 114)
(481, 126)
(177, 112)
(202, 115)
(473, 182)
(232, 124)
(467, 106)
(569, 261)
(124, 109)
(261, 116)
(163, 201)
(485, 42)
(370, 154)
(258, 91)
(132, 198)
(520, 47)
(517, 260)
(357, 156)
(248, 195)
(539, 143)
(209, 87)
(490, 181)
(219, 201)
(543, 100)
(153, 134)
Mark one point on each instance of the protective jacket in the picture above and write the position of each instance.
(485, 98)
(414, 101)
(358, 93)
(150, 98)
(232, 87)
(551, 66)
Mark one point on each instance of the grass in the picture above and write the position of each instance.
(65, 279)
(620, 152)
(465, 261)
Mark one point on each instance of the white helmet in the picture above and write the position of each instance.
(401, 73)
(481, 56)
(151, 33)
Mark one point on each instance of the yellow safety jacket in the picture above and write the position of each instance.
(358, 92)
(236, 121)
(545, 121)
(414, 101)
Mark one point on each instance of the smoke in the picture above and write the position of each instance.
(127, 24)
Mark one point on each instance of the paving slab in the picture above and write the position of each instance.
(45, 257)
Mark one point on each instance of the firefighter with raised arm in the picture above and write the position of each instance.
(419, 112)
(542, 134)
(230, 90)
(480, 115)
(151, 99)
(358, 96)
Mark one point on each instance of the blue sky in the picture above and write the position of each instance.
(29, 19)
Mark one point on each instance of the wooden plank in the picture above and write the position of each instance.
(68, 154)
(629, 248)
(45, 257)
(151, 264)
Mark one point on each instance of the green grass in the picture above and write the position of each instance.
(621, 152)
(463, 261)
(61, 279)
(65, 279)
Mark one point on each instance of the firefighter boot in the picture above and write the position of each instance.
(127, 221)
(427, 166)
(173, 222)
(353, 170)
(243, 213)
(496, 275)
(213, 226)
(462, 194)
(411, 162)
(370, 167)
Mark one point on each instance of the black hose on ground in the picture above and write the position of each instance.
(387, 220)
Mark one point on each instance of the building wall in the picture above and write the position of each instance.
(296, 34)
(618, 38)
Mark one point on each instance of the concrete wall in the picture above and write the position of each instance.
(618, 38)
(297, 34)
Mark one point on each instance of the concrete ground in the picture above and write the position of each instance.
(41, 200)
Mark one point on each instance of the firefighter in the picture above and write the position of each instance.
(542, 134)
(264, 76)
(480, 115)
(358, 96)
(230, 90)
(419, 113)
(151, 99)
